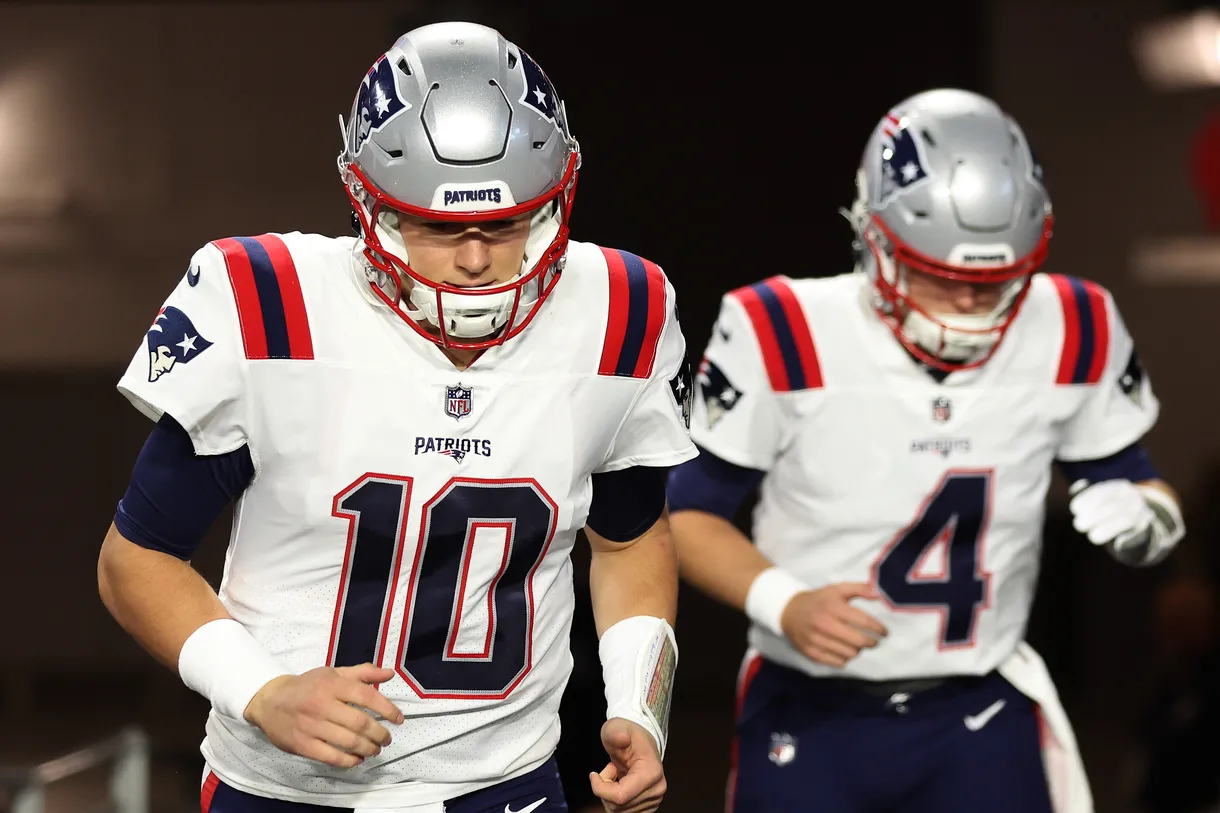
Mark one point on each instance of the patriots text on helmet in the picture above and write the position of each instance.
(488, 195)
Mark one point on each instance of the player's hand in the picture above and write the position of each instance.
(826, 628)
(322, 714)
(1112, 511)
(633, 781)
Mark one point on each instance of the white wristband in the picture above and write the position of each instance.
(769, 595)
(223, 662)
(639, 657)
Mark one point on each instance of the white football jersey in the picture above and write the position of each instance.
(403, 512)
(932, 492)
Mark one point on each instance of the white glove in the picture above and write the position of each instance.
(1139, 524)
(1109, 511)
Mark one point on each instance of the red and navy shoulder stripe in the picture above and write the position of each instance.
(783, 334)
(636, 315)
(270, 306)
(1086, 330)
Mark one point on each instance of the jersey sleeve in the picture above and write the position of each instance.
(736, 415)
(1120, 407)
(190, 362)
(656, 430)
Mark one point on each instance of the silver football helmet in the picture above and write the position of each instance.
(456, 123)
(948, 186)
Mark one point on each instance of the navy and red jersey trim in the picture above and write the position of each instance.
(636, 315)
(1086, 330)
(783, 334)
(270, 306)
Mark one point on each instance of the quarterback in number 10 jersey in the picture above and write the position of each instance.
(403, 512)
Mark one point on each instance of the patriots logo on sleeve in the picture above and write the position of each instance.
(901, 165)
(172, 340)
(1132, 379)
(378, 103)
(718, 393)
(683, 392)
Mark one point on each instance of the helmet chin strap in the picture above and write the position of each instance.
(468, 316)
(948, 336)
(955, 337)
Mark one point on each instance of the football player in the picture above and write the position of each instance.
(901, 423)
(414, 424)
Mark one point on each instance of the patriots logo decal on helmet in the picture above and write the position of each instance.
(539, 92)
(379, 102)
(901, 165)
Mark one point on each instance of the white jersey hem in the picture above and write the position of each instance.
(666, 459)
(390, 796)
(780, 652)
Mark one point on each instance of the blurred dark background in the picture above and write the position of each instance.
(718, 142)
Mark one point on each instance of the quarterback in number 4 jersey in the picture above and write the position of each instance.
(901, 423)
(414, 424)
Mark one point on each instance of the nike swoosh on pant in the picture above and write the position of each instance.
(977, 721)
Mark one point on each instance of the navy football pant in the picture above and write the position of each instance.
(515, 794)
(805, 745)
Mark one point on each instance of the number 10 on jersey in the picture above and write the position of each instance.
(468, 593)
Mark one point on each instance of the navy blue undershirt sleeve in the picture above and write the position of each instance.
(175, 495)
(1132, 463)
(712, 484)
(627, 502)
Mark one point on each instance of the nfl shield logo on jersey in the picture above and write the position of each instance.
(941, 410)
(783, 749)
(457, 402)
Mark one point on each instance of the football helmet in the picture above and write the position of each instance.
(455, 123)
(948, 186)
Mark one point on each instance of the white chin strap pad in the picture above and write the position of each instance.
(955, 341)
(466, 316)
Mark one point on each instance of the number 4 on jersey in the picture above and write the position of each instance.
(951, 526)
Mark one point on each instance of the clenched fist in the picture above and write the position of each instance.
(826, 628)
(634, 780)
(326, 714)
